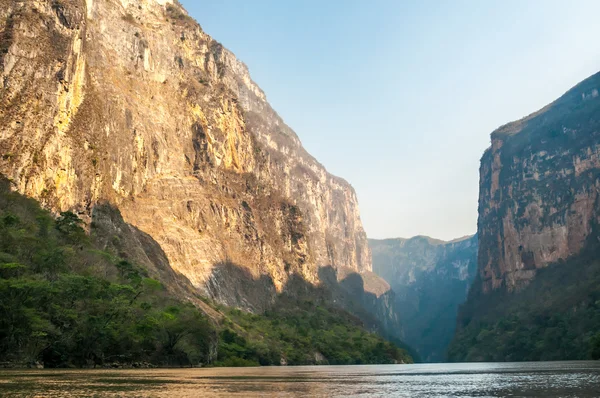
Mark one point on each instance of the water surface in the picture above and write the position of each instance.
(532, 379)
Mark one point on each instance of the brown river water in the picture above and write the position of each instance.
(531, 379)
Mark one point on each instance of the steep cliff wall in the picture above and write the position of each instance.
(539, 188)
(430, 279)
(130, 103)
(536, 294)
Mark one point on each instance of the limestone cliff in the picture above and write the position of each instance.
(128, 103)
(539, 186)
(430, 279)
(535, 296)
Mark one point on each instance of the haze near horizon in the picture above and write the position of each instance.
(399, 98)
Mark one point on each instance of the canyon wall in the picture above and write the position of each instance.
(130, 104)
(536, 294)
(430, 279)
(539, 186)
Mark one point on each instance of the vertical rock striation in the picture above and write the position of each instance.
(129, 103)
(536, 293)
(539, 185)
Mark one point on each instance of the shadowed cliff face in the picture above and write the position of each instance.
(536, 293)
(367, 296)
(539, 185)
(129, 102)
(430, 279)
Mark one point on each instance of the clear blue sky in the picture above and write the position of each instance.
(399, 97)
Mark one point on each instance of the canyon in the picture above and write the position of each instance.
(128, 114)
(430, 279)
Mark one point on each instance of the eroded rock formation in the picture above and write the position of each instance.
(535, 296)
(130, 103)
(539, 186)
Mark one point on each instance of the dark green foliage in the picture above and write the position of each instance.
(595, 343)
(299, 332)
(64, 303)
(556, 317)
(69, 226)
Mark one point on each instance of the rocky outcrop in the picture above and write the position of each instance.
(535, 296)
(430, 279)
(130, 103)
(539, 185)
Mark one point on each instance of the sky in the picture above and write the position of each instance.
(400, 97)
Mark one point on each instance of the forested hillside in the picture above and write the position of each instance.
(64, 302)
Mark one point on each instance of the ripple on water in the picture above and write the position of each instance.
(534, 379)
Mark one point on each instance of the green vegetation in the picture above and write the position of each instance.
(596, 346)
(64, 303)
(304, 332)
(556, 317)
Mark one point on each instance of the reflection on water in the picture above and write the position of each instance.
(541, 379)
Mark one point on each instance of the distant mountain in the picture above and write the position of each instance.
(537, 292)
(430, 279)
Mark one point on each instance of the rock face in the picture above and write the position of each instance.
(128, 103)
(535, 296)
(430, 279)
(539, 189)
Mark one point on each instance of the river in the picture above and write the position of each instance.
(531, 379)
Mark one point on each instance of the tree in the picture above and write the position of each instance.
(70, 226)
(596, 346)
